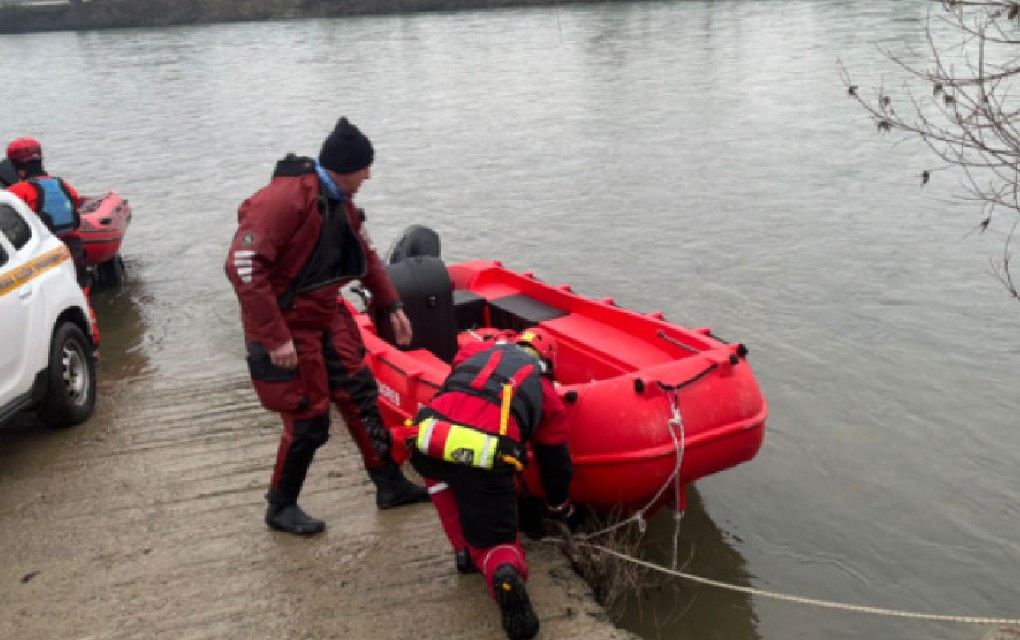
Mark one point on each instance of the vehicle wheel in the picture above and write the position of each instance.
(111, 272)
(70, 379)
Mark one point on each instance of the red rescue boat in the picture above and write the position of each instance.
(646, 397)
(104, 221)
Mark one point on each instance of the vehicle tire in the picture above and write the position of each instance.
(111, 272)
(70, 379)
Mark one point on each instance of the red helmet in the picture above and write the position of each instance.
(24, 150)
(543, 345)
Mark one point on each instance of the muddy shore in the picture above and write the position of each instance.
(146, 522)
(112, 14)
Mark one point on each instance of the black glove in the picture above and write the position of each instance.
(567, 514)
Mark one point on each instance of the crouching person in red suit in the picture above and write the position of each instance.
(469, 443)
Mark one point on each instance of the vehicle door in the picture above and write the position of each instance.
(16, 297)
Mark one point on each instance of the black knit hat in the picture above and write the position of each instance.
(346, 150)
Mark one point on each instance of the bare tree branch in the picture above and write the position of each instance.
(969, 118)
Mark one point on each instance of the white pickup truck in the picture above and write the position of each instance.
(47, 337)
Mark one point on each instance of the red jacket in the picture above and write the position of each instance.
(278, 228)
(472, 410)
(549, 439)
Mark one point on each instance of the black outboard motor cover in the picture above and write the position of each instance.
(415, 240)
(426, 290)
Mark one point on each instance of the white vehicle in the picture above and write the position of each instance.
(47, 345)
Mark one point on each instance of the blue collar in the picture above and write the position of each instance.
(332, 190)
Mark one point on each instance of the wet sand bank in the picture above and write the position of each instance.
(146, 522)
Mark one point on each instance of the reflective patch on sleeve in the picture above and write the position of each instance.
(243, 264)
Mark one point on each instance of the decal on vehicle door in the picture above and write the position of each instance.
(33, 269)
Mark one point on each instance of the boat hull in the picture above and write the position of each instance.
(644, 396)
(104, 221)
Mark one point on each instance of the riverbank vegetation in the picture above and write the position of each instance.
(110, 14)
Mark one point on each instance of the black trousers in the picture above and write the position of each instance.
(486, 500)
(77, 249)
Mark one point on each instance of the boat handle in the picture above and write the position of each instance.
(740, 349)
(680, 385)
(675, 342)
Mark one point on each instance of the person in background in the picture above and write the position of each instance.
(298, 241)
(55, 201)
(469, 443)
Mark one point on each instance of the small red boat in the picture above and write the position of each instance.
(647, 397)
(104, 221)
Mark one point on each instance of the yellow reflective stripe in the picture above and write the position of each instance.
(462, 444)
(504, 409)
(425, 433)
(33, 269)
(469, 439)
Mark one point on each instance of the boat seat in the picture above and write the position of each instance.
(470, 309)
(426, 290)
(519, 311)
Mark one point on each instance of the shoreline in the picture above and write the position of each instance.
(123, 14)
(147, 522)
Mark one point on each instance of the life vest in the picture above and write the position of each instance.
(55, 205)
(504, 375)
(338, 253)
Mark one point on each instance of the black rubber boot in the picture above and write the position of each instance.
(283, 513)
(464, 563)
(393, 489)
(291, 518)
(519, 619)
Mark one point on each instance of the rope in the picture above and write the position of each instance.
(802, 600)
(676, 424)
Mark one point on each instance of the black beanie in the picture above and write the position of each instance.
(346, 150)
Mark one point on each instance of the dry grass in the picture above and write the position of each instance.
(618, 584)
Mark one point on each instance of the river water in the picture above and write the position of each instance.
(699, 158)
